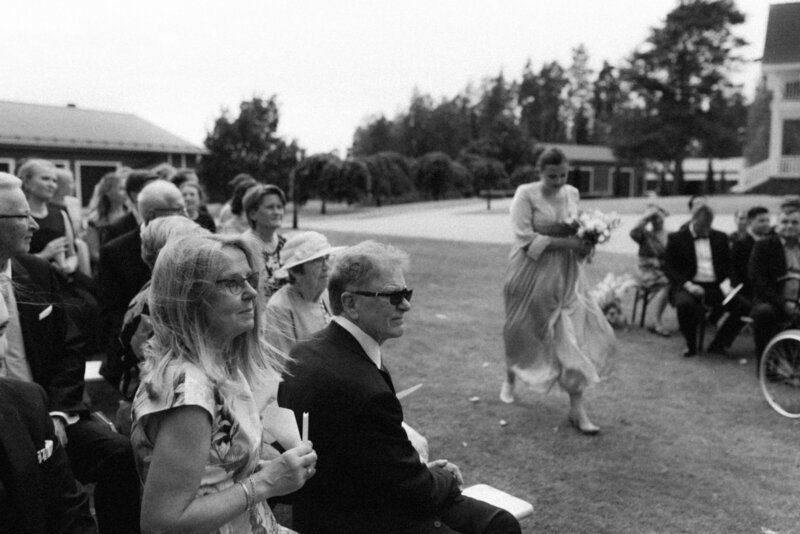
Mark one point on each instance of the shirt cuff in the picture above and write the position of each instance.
(68, 419)
(537, 246)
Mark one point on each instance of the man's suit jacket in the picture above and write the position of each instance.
(740, 259)
(767, 264)
(122, 272)
(369, 477)
(680, 263)
(55, 362)
(35, 496)
(121, 226)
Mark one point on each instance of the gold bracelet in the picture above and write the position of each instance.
(246, 496)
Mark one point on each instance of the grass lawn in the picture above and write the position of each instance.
(686, 445)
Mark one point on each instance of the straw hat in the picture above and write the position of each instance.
(302, 248)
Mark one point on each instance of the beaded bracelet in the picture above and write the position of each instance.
(252, 491)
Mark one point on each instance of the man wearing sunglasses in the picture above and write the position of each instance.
(369, 476)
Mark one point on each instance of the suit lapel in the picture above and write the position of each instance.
(341, 337)
(29, 311)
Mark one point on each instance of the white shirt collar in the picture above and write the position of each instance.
(7, 269)
(369, 345)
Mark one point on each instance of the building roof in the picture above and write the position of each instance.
(577, 153)
(77, 128)
(782, 44)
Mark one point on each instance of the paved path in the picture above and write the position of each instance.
(466, 220)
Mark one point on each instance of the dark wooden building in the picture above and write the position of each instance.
(595, 171)
(88, 142)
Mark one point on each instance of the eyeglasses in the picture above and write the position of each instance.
(20, 216)
(235, 286)
(395, 297)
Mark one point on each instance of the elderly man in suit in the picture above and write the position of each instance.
(775, 268)
(122, 270)
(39, 351)
(758, 227)
(697, 261)
(369, 477)
(38, 493)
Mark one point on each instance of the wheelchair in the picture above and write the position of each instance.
(779, 370)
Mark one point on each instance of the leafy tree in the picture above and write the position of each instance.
(376, 135)
(540, 97)
(578, 112)
(487, 173)
(308, 176)
(250, 144)
(607, 98)
(674, 76)
(435, 175)
(523, 174)
(391, 176)
(756, 148)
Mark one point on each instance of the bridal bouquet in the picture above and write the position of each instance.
(595, 227)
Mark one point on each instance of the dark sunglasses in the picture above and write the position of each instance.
(235, 286)
(395, 297)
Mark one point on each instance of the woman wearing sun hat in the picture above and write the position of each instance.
(301, 307)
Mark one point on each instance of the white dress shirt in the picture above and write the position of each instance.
(369, 345)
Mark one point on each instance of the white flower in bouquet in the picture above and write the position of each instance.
(595, 227)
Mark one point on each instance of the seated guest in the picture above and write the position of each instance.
(301, 307)
(105, 208)
(54, 240)
(232, 218)
(38, 492)
(184, 175)
(122, 270)
(775, 268)
(264, 207)
(370, 477)
(40, 351)
(136, 326)
(740, 220)
(65, 197)
(134, 183)
(652, 248)
(758, 226)
(696, 262)
(194, 198)
(207, 378)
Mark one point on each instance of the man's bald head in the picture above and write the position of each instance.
(158, 199)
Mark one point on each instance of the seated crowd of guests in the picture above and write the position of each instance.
(760, 260)
(205, 329)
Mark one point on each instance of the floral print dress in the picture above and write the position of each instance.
(236, 434)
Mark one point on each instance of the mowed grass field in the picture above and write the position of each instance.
(686, 445)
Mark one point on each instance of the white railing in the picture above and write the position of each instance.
(752, 176)
(790, 166)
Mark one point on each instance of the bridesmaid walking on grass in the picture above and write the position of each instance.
(554, 332)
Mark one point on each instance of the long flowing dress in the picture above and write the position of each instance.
(554, 331)
(236, 433)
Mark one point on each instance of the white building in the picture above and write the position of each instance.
(780, 173)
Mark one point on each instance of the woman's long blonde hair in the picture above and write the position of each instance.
(182, 287)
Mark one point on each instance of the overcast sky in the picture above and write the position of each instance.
(332, 63)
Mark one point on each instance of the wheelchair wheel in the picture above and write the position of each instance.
(779, 373)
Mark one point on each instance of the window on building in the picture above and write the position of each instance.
(601, 182)
(88, 173)
(7, 165)
(791, 138)
(792, 90)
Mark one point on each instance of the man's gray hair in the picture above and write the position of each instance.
(355, 266)
(156, 195)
